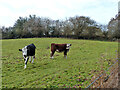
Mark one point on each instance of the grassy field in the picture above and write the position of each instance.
(85, 59)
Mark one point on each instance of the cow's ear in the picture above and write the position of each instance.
(70, 44)
(20, 49)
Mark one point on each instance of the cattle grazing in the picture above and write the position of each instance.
(28, 51)
(60, 48)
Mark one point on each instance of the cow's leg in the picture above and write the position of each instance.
(33, 59)
(51, 55)
(30, 59)
(24, 58)
(26, 62)
(65, 54)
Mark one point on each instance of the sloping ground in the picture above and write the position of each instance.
(112, 81)
(104, 80)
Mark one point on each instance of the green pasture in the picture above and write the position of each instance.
(85, 59)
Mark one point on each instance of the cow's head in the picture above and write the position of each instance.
(24, 51)
(68, 46)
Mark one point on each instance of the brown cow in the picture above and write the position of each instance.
(60, 48)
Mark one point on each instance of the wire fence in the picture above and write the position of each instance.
(100, 81)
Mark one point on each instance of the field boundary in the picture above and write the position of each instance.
(100, 81)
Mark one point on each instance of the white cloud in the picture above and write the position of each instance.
(99, 10)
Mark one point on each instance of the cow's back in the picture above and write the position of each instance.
(60, 47)
(31, 50)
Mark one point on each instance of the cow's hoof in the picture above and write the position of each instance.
(51, 57)
(25, 67)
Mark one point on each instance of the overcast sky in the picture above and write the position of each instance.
(99, 10)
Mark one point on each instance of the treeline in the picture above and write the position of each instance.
(79, 27)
